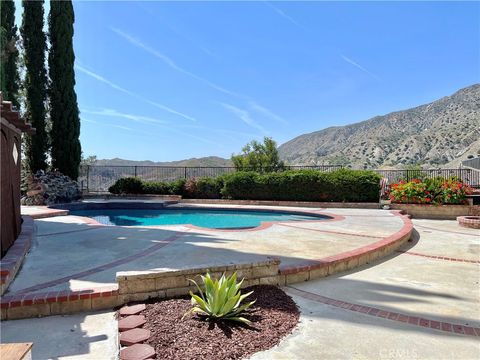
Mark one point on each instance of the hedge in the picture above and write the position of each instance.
(294, 185)
(304, 185)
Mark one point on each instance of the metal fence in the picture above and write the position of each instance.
(469, 176)
(98, 178)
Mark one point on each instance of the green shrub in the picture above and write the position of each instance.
(293, 185)
(203, 188)
(129, 185)
(304, 185)
(222, 299)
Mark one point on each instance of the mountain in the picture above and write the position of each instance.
(210, 161)
(435, 134)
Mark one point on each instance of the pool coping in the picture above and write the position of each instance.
(327, 217)
(17, 306)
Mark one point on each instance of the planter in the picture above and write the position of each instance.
(469, 221)
(437, 212)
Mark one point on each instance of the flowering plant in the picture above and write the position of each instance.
(437, 190)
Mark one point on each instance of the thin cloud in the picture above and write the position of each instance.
(117, 114)
(169, 62)
(244, 116)
(175, 31)
(357, 65)
(125, 91)
(144, 120)
(284, 15)
(107, 124)
(266, 112)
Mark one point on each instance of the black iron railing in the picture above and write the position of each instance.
(98, 178)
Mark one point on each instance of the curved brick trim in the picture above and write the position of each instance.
(389, 315)
(267, 224)
(103, 267)
(264, 224)
(25, 305)
(312, 269)
(441, 230)
(439, 257)
(469, 221)
(13, 259)
(331, 231)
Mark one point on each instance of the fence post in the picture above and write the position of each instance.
(185, 173)
(88, 178)
(135, 170)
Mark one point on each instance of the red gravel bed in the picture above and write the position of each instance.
(273, 316)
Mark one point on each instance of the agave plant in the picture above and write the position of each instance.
(222, 299)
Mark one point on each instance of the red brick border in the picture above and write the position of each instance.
(349, 259)
(103, 267)
(439, 257)
(23, 304)
(442, 230)
(13, 259)
(472, 222)
(264, 224)
(267, 224)
(389, 315)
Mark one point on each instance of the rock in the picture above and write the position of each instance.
(46, 188)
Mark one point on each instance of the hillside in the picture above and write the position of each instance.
(204, 161)
(434, 134)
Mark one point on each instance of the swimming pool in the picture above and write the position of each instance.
(206, 218)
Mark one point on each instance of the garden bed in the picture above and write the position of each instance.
(435, 212)
(273, 316)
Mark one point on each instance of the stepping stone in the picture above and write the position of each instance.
(132, 310)
(131, 322)
(137, 352)
(134, 336)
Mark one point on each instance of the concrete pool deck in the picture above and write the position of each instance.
(92, 254)
(421, 302)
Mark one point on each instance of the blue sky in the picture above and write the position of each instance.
(172, 80)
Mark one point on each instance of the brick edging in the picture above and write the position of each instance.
(472, 222)
(347, 260)
(13, 259)
(389, 315)
(18, 305)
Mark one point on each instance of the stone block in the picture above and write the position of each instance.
(23, 312)
(170, 282)
(296, 278)
(107, 302)
(319, 272)
(179, 291)
(264, 271)
(272, 280)
(70, 307)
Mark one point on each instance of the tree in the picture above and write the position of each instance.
(34, 43)
(66, 148)
(10, 80)
(259, 157)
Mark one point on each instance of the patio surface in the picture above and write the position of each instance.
(390, 309)
(406, 297)
(69, 253)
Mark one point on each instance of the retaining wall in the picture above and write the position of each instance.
(435, 212)
(141, 285)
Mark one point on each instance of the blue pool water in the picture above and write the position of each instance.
(216, 219)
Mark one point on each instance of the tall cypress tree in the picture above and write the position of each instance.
(10, 80)
(35, 44)
(66, 149)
